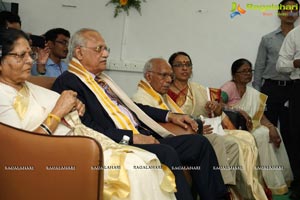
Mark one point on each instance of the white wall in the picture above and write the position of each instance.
(211, 37)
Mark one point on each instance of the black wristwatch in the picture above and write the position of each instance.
(41, 73)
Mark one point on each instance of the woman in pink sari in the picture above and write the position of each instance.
(274, 162)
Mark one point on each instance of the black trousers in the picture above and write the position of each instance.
(196, 152)
(294, 108)
(278, 94)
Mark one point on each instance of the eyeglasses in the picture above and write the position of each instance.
(20, 57)
(98, 49)
(246, 72)
(186, 64)
(63, 42)
(164, 75)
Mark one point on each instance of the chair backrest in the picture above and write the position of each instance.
(35, 166)
(42, 81)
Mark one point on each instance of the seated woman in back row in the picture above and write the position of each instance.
(251, 103)
(30, 107)
(192, 99)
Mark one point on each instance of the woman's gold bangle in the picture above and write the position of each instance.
(55, 117)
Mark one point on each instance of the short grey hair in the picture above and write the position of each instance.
(76, 40)
(149, 65)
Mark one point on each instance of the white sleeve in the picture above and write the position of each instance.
(285, 62)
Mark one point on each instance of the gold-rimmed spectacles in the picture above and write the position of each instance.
(98, 49)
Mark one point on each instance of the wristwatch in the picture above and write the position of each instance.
(41, 73)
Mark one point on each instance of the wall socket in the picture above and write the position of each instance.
(128, 66)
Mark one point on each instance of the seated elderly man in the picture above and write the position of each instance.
(110, 111)
(235, 150)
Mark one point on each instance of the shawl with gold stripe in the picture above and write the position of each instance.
(121, 120)
(164, 101)
(254, 103)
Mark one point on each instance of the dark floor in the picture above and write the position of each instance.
(281, 197)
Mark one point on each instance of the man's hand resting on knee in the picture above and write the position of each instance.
(144, 139)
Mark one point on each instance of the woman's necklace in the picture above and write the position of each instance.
(183, 93)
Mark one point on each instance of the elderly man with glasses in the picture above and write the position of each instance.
(49, 62)
(110, 111)
(236, 158)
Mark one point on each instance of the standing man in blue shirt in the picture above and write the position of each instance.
(50, 61)
(266, 79)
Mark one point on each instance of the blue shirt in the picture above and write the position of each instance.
(52, 69)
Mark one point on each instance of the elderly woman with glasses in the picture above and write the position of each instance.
(33, 108)
(274, 162)
(192, 98)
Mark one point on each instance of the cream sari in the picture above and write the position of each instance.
(126, 182)
(274, 162)
(248, 184)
